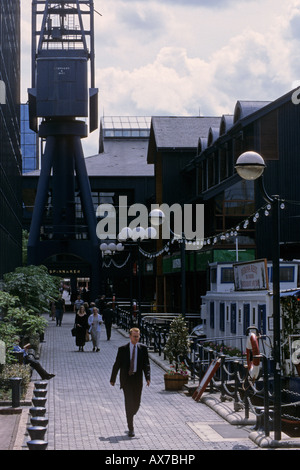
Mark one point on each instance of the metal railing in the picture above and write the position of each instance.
(232, 379)
(233, 382)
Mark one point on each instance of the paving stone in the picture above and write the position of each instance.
(86, 413)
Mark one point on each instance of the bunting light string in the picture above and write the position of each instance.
(287, 201)
(265, 210)
(112, 261)
(165, 249)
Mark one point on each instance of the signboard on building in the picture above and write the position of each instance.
(252, 275)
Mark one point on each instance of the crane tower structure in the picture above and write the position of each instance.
(61, 98)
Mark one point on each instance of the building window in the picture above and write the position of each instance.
(200, 178)
(211, 172)
(222, 316)
(286, 273)
(212, 315)
(29, 142)
(227, 275)
(233, 206)
(240, 316)
(224, 173)
(136, 127)
(233, 319)
(253, 316)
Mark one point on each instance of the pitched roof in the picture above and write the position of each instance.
(244, 108)
(181, 132)
(121, 157)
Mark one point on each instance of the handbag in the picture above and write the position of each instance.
(87, 336)
(73, 331)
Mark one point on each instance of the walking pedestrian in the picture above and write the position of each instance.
(81, 325)
(100, 302)
(108, 317)
(52, 310)
(78, 302)
(59, 310)
(95, 321)
(90, 309)
(132, 361)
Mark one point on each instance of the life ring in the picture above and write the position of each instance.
(252, 349)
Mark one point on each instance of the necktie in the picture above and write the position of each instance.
(131, 368)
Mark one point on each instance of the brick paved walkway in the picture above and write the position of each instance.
(86, 413)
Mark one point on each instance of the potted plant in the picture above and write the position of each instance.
(176, 348)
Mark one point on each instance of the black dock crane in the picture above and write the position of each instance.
(61, 98)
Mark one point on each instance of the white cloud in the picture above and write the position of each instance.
(248, 67)
(176, 57)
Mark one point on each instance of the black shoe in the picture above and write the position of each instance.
(50, 376)
(98, 349)
(131, 433)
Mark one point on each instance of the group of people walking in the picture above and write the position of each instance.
(88, 321)
(132, 360)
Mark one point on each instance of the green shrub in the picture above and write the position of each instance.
(34, 286)
(14, 370)
(26, 322)
(27, 294)
(178, 344)
(8, 301)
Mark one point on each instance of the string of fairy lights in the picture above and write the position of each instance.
(211, 240)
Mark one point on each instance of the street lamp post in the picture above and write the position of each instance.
(250, 166)
(157, 218)
(110, 249)
(137, 235)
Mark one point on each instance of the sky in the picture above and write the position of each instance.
(186, 57)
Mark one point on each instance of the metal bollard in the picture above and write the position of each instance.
(37, 433)
(37, 411)
(37, 445)
(39, 392)
(39, 401)
(41, 384)
(39, 421)
(16, 391)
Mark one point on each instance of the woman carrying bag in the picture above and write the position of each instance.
(95, 321)
(81, 325)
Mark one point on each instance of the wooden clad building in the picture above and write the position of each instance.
(210, 178)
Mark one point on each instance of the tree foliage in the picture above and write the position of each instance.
(290, 307)
(34, 286)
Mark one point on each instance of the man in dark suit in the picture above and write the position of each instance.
(132, 360)
(108, 318)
